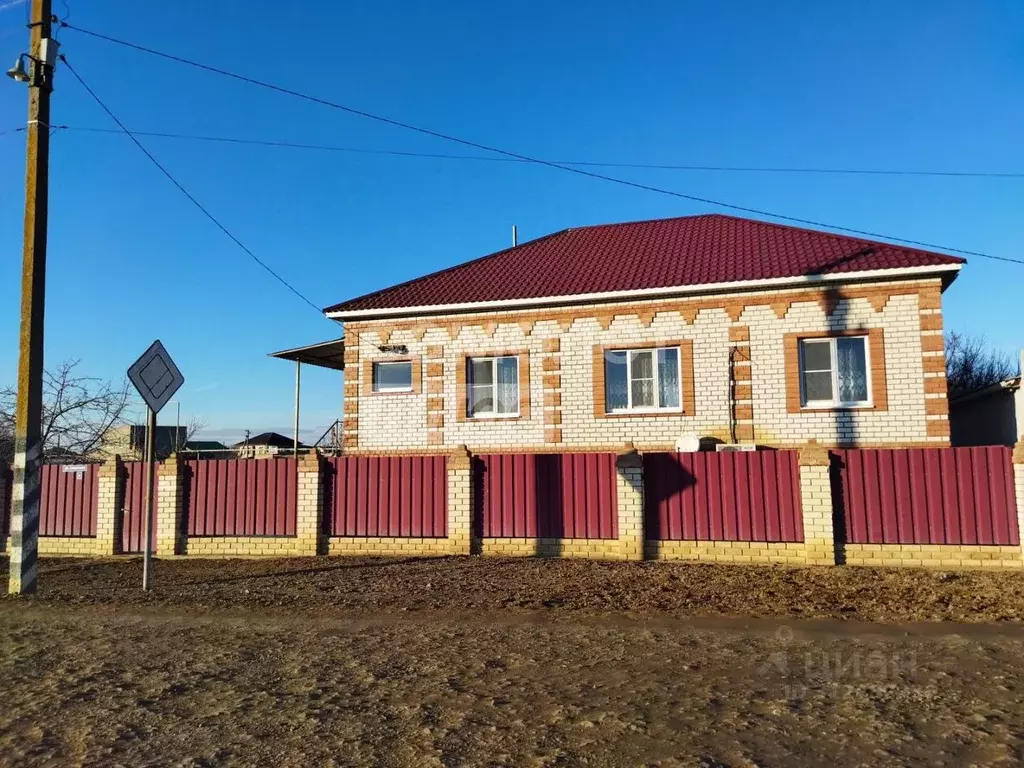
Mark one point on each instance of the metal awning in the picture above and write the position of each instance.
(326, 354)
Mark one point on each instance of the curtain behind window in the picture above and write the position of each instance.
(852, 370)
(668, 378)
(507, 395)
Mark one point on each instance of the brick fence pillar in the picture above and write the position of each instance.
(816, 504)
(309, 515)
(629, 481)
(460, 502)
(109, 507)
(170, 500)
(1018, 484)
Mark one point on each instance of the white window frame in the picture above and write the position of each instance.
(835, 402)
(491, 414)
(373, 376)
(657, 379)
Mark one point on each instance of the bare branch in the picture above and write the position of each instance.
(972, 364)
(77, 412)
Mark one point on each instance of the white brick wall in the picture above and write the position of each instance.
(399, 421)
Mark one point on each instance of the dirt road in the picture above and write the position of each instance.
(105, 686)
(504, 663)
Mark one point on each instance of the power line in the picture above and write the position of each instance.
(195, 202)
(580, 163)
(184, 191)
(537, 161)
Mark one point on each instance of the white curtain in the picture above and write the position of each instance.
(852, 370)
(507, 384)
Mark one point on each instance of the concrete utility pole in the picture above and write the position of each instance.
(28, 449)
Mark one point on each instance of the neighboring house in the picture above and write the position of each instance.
(205, 445)
(701, 326)
(207, 449)
(993, 415)
(264, 445)
(129, 442)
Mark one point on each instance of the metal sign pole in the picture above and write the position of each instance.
(156, 378)
(147, 558)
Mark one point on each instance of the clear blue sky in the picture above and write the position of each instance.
(925, 85)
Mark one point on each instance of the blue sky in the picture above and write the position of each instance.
(914, 85)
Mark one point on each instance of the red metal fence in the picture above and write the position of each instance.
(68, 500)
(241, 497)
(708, 496)
(133, 518)
(926, 495)
(388, 496)
(7, 481)
(570, 495)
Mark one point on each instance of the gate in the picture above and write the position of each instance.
(133, 517)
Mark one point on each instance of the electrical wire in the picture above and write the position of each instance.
(195, 202)
(182, 189)
(581, 163)
(537, 161)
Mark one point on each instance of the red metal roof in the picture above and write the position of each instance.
(662, 253)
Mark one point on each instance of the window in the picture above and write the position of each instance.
(392, 377)
(492, 386)
(834, 372)
(642, 380)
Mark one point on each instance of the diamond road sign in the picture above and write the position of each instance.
(155, 376)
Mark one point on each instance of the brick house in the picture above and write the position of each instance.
(715, 326)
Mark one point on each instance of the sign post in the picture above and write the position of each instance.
(156, 378)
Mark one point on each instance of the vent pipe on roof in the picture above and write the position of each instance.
(515, 236)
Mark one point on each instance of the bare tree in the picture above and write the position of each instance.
(192, 427)
(972, 364)
(77, 412)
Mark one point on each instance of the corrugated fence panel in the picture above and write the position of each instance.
(241, 497)
(6, 494)
(569, 495)
(68, 500)
(133, 506)
(388, 496)
(926, 495)
(706, 496)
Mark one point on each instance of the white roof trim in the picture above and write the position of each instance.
(674, 290)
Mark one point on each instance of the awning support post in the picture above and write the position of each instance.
(298, 390)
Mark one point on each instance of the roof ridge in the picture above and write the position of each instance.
(654, 220)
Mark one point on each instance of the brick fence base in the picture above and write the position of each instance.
(933, 556)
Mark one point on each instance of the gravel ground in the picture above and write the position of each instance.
(481, 662)
(559, 587)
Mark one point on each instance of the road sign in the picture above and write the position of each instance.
(155, 376)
